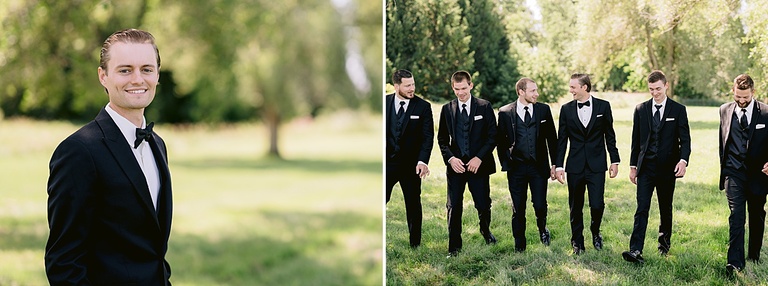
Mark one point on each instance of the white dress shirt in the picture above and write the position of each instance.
(143, 154)
(749, 108)
(585, 112)
(397, 104)
(521, 110)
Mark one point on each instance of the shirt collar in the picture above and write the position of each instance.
(125, 126)
(663, 102)
(521, 107)
(468, 102)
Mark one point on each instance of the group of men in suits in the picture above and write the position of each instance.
(531, 151)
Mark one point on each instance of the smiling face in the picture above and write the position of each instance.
(578, 90)
(658, 90)
(130, 77)
(405, 89)
(462, 89)
(530, 94)
(742, 96)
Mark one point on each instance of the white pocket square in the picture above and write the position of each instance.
(670, 119)
(543, 121)
(478, 117)
(414, 117)
(760, 126)
(599, 115)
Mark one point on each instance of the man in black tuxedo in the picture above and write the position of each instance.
(661, 147)
(526, 134)
(744, 169)
(109, 190)
(587, 123)
(467, 137)
(410, 136)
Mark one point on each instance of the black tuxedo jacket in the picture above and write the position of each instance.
(587, 146)
(674, 135)
(546, 138)
(757, 153)
(417, 135)
(103, 226)
(482, 134)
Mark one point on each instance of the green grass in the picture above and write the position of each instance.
(699, 240)
(239, 219)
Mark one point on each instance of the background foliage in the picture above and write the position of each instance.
(700, 45)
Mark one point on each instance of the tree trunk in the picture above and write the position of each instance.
(649, 46)
(671, 59)
(272, 119)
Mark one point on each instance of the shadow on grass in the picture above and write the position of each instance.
(320, 166)
(297, 249)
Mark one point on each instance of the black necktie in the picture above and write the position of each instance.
(464, 110)
(657, 114)
(743, 120)
(143, 134)
(586, 103)
(527, 115)
(401, 111)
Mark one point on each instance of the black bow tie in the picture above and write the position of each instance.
(586, 103)
(143, 134)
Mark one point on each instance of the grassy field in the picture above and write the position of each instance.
(314, 218)
(699, 240)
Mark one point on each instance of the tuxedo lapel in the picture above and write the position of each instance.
(537, 118)
(755, 112)
(408, 113)
(165, 196)
(452, 111)
(727, 121)
(472, 111)
(575, 118)
(596, 108)
(390, 111)
(122, 153)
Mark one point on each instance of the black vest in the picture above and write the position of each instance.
(525, 141)
(462, 132)
(396, 128)
(737, 149)
(653, 140)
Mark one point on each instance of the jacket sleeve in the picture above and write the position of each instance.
(610, 136)
(70, 208)
(562, 138)
(685, 136)
(551, 136)
(443, 136)
(503, 140)
(428, 130)
(634, 151)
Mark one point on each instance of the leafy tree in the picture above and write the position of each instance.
(489, 42)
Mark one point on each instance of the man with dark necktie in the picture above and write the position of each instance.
(661, 147)
(744, 170)
(587, 123)
(467, 137)
(526, 143)
(410, 137)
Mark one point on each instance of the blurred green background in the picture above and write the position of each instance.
(271, 114)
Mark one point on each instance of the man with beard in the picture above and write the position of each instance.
(410, 136)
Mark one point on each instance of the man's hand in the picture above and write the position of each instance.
(560, 175)
(552, 173)
(613, 170)
(680, 169)
(422, 170)
(474, 165)
(633, 175)
(765, 168)
(457, 165)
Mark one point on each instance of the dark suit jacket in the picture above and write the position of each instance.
(757, 153)
(674, 135)
(103, 226)
(482, 134)
(417, 135)
(546, 138)
(587, 147)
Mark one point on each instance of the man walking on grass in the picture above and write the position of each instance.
(661, 146)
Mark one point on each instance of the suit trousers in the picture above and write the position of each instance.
(663, 181)
(520, 178)
(480, 188)
(410, 183)
(578, 183)
(740, 196)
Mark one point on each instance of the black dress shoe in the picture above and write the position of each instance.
(489, 238)
(633, 256)
(663, 249)
(578, 250)
(452, 254)
(544, 235)
(730, 269)
(755, 260)
(414, 246)
(597, 241)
